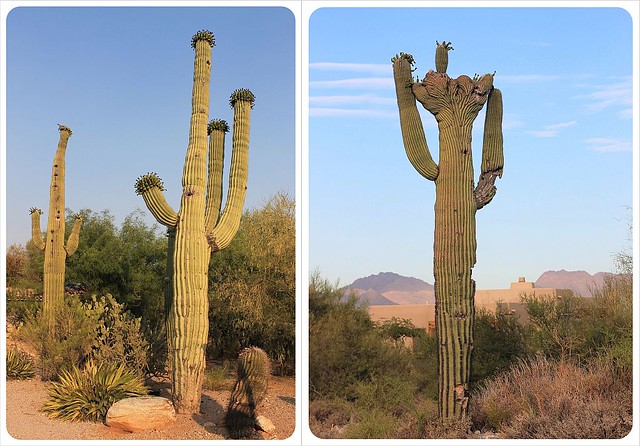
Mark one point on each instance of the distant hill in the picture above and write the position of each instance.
(391, 289)
(580, 282)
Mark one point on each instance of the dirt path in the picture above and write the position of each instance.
(25, 422)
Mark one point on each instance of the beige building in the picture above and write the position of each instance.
(507, 301)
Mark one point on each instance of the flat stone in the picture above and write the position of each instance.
(264, 424)
(141, 413)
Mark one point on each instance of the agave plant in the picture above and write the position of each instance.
(87, 394)
(19, 364)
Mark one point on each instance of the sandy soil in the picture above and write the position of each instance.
(25, 422)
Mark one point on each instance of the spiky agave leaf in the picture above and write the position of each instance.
(242, 94)
(19, 364)
(87, 394)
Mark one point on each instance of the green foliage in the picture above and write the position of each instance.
(499, 340)
(345, 349)
(87, 394)
(398, 329)
(19, 364)
(99, 329)
(119, 338)
(215, 377)
(252, 287)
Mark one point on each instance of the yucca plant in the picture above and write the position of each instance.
(19, 364)
(87, 394)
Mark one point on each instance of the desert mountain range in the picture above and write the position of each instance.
(393, 289)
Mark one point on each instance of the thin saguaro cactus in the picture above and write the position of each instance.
(55, 251)
(455, 103)
(199, 227)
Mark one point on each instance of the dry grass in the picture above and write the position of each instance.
(550, 399)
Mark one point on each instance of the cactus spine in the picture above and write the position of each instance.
(455, 104)
(55, 251)
(248, 391)
(199, 228)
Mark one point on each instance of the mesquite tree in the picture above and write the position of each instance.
(199, 227)
(55, 251)
(455, 103)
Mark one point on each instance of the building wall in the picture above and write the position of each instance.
(507, 301)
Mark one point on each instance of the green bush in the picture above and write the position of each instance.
(99, 329)
(19, 364)
(215, 377)
(87, 394)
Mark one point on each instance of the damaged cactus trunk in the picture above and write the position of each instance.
(455, 103)
(53, 245)
(200, 227)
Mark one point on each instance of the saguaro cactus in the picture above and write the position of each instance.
(455, 103)
(55, 251)
(199, 228)
(248, 391)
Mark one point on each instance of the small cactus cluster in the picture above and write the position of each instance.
(248, 392)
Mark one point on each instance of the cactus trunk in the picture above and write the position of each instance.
(455, 103)
(199, 228)
(53, 245)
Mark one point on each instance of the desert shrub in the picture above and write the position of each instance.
(98, 329)
(345, 349)
(19, 310)
(119, 339)
(425, 364)
(545, 398)
(499, 340)
(87, 394)
(66, 343)
(19, 364)
(215, 377)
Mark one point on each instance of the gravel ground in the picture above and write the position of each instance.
(25, 422)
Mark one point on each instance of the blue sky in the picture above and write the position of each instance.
(121, 79)
(566, 79)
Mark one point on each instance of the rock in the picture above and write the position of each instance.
(141, 413)
(264, 424)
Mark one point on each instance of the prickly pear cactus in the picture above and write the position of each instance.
(248, 392)
(455, 103)
(200, 227)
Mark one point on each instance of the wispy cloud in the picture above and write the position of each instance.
(368, 82)
(551, 130)
(346, 99)
(608, 145)
(618, 94)
(357, 67)
(352, 113)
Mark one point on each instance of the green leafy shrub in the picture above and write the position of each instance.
(87, 394)
(19, 364)
(99, 329)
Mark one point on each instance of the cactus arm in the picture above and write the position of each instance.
(492, 151)
(413, 136)
(36, 233)
(150, 187)
(442, 56)
(74, 237)
(217, 129)
(222, 234)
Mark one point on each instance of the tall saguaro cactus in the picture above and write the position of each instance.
(55, 251)
(455, 103)
(199, 227)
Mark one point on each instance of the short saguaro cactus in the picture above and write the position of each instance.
(53, 245)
